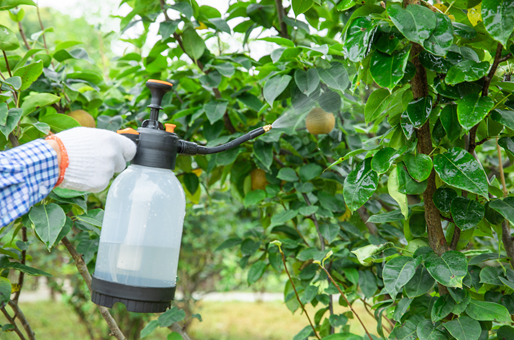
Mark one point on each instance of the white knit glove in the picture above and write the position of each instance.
(94, 156)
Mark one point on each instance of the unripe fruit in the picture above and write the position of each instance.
(320, 122)
(83, 117)
(259, 180)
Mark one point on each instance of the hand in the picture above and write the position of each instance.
(94, 156)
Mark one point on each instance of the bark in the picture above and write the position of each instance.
(24, 323)
(419, 87)
(372, 227)
(282, 24)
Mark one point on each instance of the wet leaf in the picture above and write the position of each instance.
(443, 198)
(466, 213)
(468, 70)
(415, 22)
(487, 311)
(419, 166)
(358, 38)
(450, 122)
(420, 284)
(498, 18)
(360, 184)
(441, 38)
(419, 111)
(449, 269)
(387, 70)
(464, 328)
(442, 307)
(472, 109)
(397, 272)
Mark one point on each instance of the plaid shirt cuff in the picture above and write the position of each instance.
(27, 175)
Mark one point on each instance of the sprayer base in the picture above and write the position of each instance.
(136, 299)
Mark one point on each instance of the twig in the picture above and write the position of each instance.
(296, 293)
(279, 162)
(23, 258)
(23, 36)
(281, 23)
(7, 64)
(12, 322)
(497, 60)
(506, 238)
(175, 327)
(82, 268)
(43, 33)
(24, 322)
(346, 300)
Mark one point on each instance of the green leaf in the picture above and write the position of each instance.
(419, 166)
(401, 308)
(450, 122)
(464, 31)
(78, 53)
(358, 38)
(308, 210)
(175, 335)
(491, 276)
(505, 142)
(442, 307)
(397, 272)
(406, 184)
(5, 291)
(48, 221)
(229, 243)
(256, 271)
(14, 81)
(407, 126)
(449, 269)
(192, 183)
(505, 207)
(464, 328)
(226, 70)
(488, 311)
(336, 77)
(88, 247)
(25, 269)
(36, 101)
(380, 103)
(94, 217)
(472, 109)
(310, 171)
(466, 213)
(364, 253)
(459, 169)
(467, 70)
(307, 81)
(419, 110)
(505, 333)
(498, 18)
(301, 6)
(283, 216)
(461, 306)
(383, 159)
(215, 110)
(441, 39)
(287, 174)
(367, 283)
(8, 4)
(415, 22)
(443, 198)
(387, 70)
(8, 40)
(4, 112)
(149, 328)
(420, 284)
(221, 25)
(167, 28)
(360, 184)
(393, 187)
(406, 331)
(13, 118)
(193, 43)
(59, 122)
(254, 197)
(504, 117)
(426, 330)
(275, 86)
(171, 316)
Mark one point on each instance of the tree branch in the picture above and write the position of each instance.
(82, 268)
(281, 23)
(296, 293)
(346, 300)
(175, 327)
(12, 322)
(23, 36)
(23, 258)
(7, 64)
(24, 322)
(316, 223)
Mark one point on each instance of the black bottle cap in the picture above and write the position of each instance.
(156, 148)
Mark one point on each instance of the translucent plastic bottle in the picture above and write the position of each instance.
(142, 229)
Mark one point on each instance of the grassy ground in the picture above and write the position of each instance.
(221, 321)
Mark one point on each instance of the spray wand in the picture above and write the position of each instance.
(158, 145)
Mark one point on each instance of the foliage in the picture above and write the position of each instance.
(408, 190)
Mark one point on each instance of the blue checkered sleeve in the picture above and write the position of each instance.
(27, 175)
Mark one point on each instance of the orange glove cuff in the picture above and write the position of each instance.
(64, 158)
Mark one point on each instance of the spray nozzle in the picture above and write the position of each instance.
(158, 89)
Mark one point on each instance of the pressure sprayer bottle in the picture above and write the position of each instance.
(144, 215)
